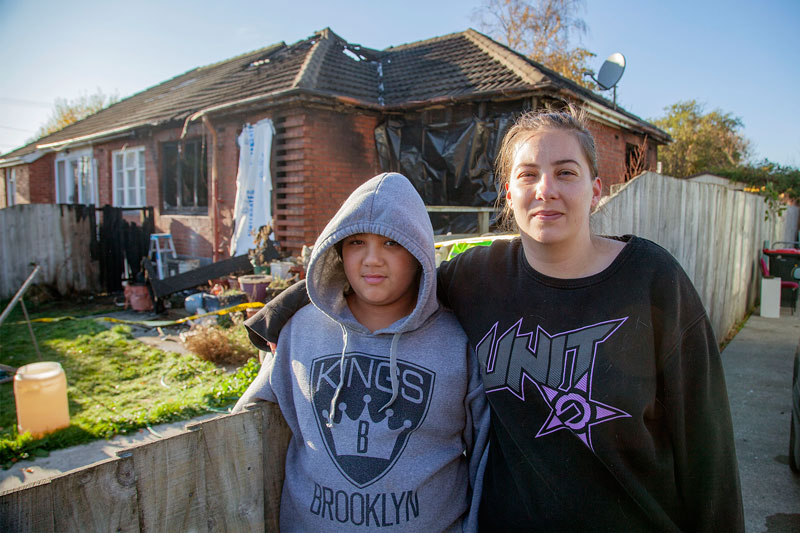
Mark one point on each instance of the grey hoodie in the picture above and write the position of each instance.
(380, 420)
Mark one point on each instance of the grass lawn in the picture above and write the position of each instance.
(115, 384)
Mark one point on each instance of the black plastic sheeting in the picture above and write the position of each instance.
(450, 164)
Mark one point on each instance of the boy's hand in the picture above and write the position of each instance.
(272, 346)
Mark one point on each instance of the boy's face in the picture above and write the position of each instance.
(380, 271)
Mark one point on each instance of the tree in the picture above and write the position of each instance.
(540, 29)
(772, 180)
(66, 112)
(703, 142)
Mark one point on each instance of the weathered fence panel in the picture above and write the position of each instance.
(56, 237)
(170, 484)
(233, 480)
(275, 442)
(714, 232)
(28, 510)
(100, 498)
(225, 474)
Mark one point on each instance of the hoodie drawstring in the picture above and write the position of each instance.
(335, 398)
(393, 371)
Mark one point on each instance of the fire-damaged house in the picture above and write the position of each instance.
(338, 113)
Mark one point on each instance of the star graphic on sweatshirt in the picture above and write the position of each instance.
(574, 410)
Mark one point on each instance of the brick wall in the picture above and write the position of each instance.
(35, 182)
(41, 181)
(611, 144)
(321, 156)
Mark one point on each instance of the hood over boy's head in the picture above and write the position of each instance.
(386, 205)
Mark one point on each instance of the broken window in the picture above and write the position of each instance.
(449, 163)
(635, 159)
(184, 176)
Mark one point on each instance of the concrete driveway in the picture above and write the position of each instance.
(758, 371)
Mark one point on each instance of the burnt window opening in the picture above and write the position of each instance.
(636, 160)
(184, 177)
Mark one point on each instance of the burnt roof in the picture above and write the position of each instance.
(464, 65)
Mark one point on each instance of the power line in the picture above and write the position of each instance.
(15, 129)
(20, 101)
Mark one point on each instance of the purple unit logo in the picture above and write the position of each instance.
(560, 366)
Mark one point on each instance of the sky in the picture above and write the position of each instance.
(736, 56)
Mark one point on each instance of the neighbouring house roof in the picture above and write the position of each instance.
(460, 66)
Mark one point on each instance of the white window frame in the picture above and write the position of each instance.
(11, 186)
(128, 177)
(76, 172)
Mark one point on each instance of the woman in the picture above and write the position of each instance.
(607, 395)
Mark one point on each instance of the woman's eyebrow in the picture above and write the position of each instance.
(563, 161)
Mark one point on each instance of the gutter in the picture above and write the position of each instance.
(353, 102)
(43, 149)
(616, 118)
(22, 159)
(58, 145)
(227, 105)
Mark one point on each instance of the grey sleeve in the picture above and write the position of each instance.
(260, 388)
(476, 437)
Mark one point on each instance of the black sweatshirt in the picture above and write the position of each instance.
(608, 400)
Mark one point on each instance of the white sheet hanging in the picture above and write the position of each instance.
(253, 185)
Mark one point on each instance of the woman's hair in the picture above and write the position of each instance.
(572, 120)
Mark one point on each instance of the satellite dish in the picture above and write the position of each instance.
(611, 71)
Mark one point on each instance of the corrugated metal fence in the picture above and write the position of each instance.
(714, 232)
(56, 237)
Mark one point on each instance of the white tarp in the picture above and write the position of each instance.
(253, 185)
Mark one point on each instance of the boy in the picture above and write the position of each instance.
(375, 379)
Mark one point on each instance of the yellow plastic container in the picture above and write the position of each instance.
(40, 391)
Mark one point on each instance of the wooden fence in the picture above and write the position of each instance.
(226, 474)
(56, 237)
(716, 234)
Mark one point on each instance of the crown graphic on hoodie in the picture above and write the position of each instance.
(362, 436)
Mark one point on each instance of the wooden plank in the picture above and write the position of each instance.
(275, 442)
(100, 497)
(27, 509)
(170, 484)
(233, 472)
(198, 276)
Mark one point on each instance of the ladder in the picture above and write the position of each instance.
(160, 244)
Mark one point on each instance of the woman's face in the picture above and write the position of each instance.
(551, 190)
